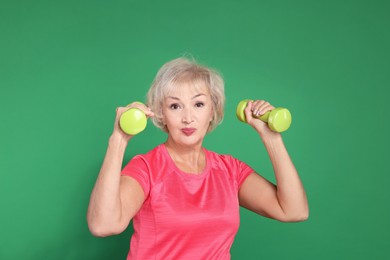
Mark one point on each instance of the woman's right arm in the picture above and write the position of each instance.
(115, 199)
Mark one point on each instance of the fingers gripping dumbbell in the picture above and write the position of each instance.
(278, 119)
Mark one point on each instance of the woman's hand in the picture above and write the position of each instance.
(255, 109)
(120, 110)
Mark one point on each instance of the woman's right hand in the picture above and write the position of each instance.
(120, 110)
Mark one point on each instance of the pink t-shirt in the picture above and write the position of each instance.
(185, 216)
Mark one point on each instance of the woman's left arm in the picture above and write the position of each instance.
(286, 201)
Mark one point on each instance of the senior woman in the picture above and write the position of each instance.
(184, 199)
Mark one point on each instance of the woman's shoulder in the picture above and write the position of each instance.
(152, 162)
(230, 165)
(153, 153)
(217, 157)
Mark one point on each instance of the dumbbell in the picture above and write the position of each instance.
(278, 119)
(133, 121)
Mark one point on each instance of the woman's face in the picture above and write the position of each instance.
(187, 113)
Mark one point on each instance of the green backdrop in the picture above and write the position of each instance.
(66, 65)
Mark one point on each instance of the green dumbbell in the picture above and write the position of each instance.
(278, 119)
(133, 121)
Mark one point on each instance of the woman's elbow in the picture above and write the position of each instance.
(298, 217)
(99, 232)
(104, 230)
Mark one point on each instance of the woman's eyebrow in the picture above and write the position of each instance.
(197, 95)
(176, 98)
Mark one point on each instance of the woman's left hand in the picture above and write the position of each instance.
(255, 109)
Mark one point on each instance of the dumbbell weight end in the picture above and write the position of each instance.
(133, 121)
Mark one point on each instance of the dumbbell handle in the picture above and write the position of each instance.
(278, 119)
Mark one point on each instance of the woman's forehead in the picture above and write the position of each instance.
(188, 87)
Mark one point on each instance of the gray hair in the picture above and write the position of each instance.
(185, 70)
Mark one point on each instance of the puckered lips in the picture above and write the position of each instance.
(188, 131)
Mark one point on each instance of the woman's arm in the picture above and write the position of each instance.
(286, 201)
(115, 199)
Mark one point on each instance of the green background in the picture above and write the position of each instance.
(66, 65)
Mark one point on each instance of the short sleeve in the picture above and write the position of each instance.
(138, 169)
(243, 171)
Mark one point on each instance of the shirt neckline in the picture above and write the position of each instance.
(186, 174)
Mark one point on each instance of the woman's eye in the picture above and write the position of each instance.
(199, 104)
(174, 106)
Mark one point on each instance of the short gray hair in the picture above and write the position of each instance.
(185, 70)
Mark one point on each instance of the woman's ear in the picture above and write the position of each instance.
(163, 118)
(212, 114)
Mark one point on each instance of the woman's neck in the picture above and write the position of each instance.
(188, 159)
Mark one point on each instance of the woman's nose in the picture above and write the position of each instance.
(187, 116)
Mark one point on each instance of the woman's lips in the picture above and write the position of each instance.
(188, 131)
